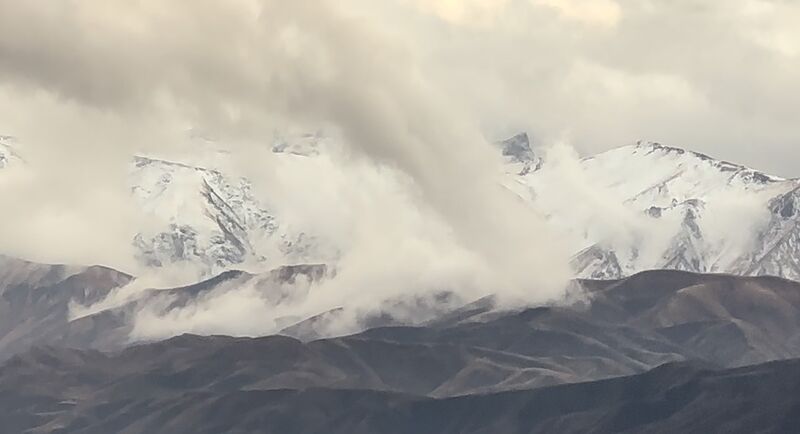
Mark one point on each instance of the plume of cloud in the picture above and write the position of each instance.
(243, 68)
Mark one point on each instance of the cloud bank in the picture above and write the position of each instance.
(415, 89)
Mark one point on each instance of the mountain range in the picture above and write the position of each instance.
(616, 327)
(660, 351)
(637, 207)
(683, 316)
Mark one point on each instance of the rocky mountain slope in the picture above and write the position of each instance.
(525, 368)
(35, 300)
(499, 374)
(82, 307)
(89, 393)
(615, 327)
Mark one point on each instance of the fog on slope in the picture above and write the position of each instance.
(385, 253)
(650, 205)
(268, 64)
(424, 210)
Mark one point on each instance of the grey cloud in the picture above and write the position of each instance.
(241, 67)
(412, 88)
(716, 77)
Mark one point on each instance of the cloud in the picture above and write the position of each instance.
(734, 221)
(242, 69)
(735, 63)
(412, 88)
(393, 253)
(717, 78)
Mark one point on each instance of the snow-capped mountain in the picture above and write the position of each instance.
(199, 218)
(207, 219)
(675, 209)
(637, 207)
(777, 251)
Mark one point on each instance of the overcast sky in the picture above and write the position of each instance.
(716, 76)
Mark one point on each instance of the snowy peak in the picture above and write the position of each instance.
(657, 206)
(651, 174)
(206, 218)
(629, 209)
(203, 218)
(736, 171)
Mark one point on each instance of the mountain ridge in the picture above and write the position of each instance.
(188, 382)
(205, 218)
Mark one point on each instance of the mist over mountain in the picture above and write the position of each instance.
(399, 216)
(642, 323)
(678, 348)
(637, 207)
(92, 349)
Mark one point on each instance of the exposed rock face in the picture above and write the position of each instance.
(520, 155)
